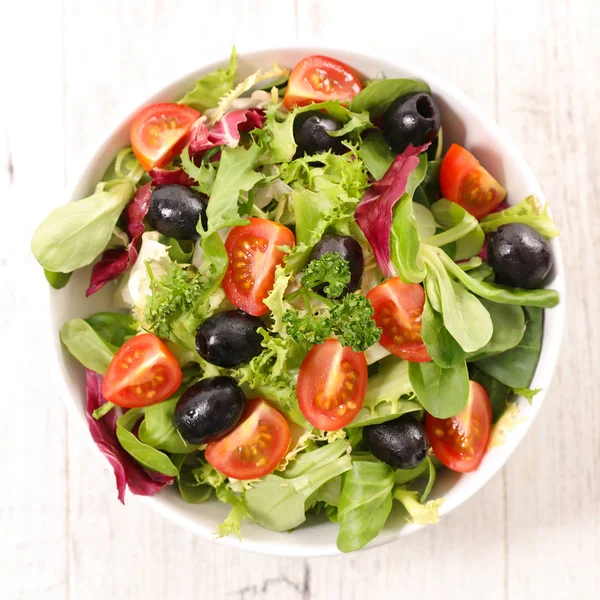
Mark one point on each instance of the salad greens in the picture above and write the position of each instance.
(212, 87)
(365, 502)
(87, 346)
(379, 94)
(442, 392)
(402, 346)
(75, 234)
(279, 502)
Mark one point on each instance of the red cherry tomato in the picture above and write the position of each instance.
(253, 258)
(461, 441)
(159, 132)
(331, 385)
(464, 181)
(255, 447)
(398, 307)
(141, 373)
(320, 78)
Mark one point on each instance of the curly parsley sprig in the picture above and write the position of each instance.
(348, 318)
(329, 270)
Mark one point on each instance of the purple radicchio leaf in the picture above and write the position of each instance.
(226, 132)
(374, 214)
(128, 473)
(170, 176)
(118, 260)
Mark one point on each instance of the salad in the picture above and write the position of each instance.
(316, 307)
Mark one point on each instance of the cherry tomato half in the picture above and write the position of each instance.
(255, 447)
(331, 385)
(464, 181)
(461, 441)
(141, 373)
(320, 78)
(159, 132)
(253, 258)
(398, 307)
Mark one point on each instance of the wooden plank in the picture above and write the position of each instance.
(546, 101)
(33, 531)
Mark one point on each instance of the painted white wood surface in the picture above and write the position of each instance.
(69, 69)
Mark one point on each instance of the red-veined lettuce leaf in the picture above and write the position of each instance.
(128, 473)
(118, 260)
(226, 132)
(375, 212)
(170, 176)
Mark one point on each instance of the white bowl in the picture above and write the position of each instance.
(464, 123)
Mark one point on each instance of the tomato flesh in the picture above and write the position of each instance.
(255, 447)
(253, 257)
(319, 78)
(159, 132)
(331, 385)
(142, 372)
(460, 442)
(397, 311)
(464, 181)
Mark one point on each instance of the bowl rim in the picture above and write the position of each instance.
(161, 505)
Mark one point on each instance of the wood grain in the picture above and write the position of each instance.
(532, 532)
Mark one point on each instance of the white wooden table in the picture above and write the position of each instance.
(69, 69)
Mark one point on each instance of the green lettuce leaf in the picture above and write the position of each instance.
(212, 87)
(528, 211)
(516, 367)
(378, 95)
(389, 394)
(225, 104)
(442, 392)
(277, 134)
(279, 502)
(235, 174)
(205, 174)
(157, 428)
(376, 154)
(89, 348)
(325, 196)
(421, 514)
(147, 456)
(460, 227)
(72, 236)
(365, 502)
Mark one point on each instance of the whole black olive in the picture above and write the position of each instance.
(411, 119)
(209, 409)
(350, 249)
(175, 211)
(229, 339)
(520, 256)
(311, 137)
(401, 443)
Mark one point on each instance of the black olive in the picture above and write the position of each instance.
(311, 137)
(229, 339)
(401, 443)
(411, 119)
(209, 409)
(519, 255)
(175, 211)
(350, 249)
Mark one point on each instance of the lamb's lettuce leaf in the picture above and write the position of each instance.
(365, 502)
(528, 211)
(378, 95)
